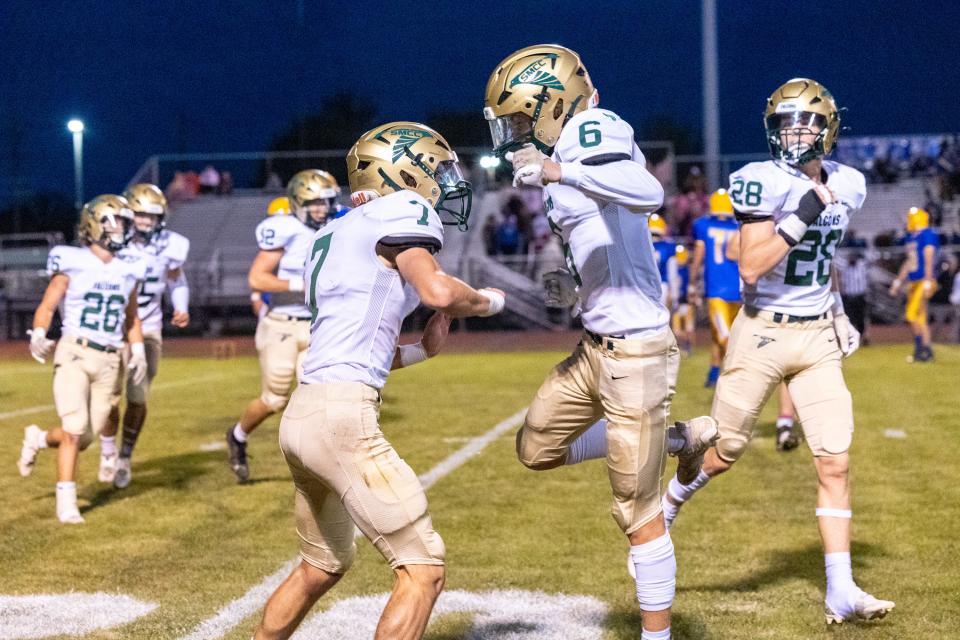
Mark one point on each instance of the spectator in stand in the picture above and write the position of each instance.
(941, 310)
(193, 183)
(689, 204)
(490, 235)
(180, 188)
(508, 236)
(852, 266)
(209, 180)
(226, 184)
(516, 209)
(273, 184)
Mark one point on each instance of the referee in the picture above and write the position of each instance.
(853, 289)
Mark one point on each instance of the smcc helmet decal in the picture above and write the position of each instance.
(534, 73)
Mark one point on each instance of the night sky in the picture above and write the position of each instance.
(163, 76)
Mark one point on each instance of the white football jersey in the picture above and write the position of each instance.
(800, 284)
(294, 237)
(95, 304)
(358, 302)
(599, 212)
(166, 251)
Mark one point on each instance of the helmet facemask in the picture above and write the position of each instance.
(454, 189)
(796, 137)
(316, 213)
(147, 225)
(115, 232)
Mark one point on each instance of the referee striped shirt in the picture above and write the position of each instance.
(853, 276)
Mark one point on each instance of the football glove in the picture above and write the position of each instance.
(528, 166)
(560, 289)
(40, 345)
(137, 366)
(848, 338)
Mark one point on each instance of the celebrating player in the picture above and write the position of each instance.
(919, 269)
(164, 253)
(366, 272)
(277, 270)
(539, 101)
(793, 211)
(97, 288)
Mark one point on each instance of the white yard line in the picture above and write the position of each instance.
(40, 408)
(234, 613)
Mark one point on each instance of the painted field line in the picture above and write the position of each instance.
(40, 408)
(233, 613)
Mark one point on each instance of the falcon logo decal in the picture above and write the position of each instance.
(534, 73)
(405, 138)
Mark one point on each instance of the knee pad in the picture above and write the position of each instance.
(274, 401)
(336, 561)
(656, 573)
(731, 447)
(532, 455)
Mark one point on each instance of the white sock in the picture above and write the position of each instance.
(842, 591)
(683, 492)
(591, 444)
(784, 421)
(41, 442)
(656, 635)
(656, 573)
(108, 445)
(239, 434)
(66, 494)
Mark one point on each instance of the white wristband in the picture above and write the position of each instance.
(497, 302)
(137, 349)
(792, 228)
(412, 354)
(255, 296)
(295, 285)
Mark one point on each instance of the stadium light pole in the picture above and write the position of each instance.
(76, 128)
(711, 97)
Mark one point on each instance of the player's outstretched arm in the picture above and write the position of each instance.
(442, 292)
(262, 275)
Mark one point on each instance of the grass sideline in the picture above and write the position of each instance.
(185, 537)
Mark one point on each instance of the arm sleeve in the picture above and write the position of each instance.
(598, 156)
(177, 251)
(273, 234)
(409, 222)
(179, 292)
(756, 193)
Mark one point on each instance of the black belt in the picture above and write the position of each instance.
(284, 316)
(780, 317)
(602, 341)
(83, 342)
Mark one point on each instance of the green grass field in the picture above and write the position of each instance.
(185, 537)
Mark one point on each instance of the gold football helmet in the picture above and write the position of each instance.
(657, 225)
(407, 155)
(720, 203)
(147, 199)
(917, 220)
(532, 94)
(106, 220)
(313, 197)
(797, 111)
(682, 255)
(279, 206)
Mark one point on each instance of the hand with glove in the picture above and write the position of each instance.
(848, 338)
(40, 345)
(137, 365)
(560, 289)
(531, 167)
